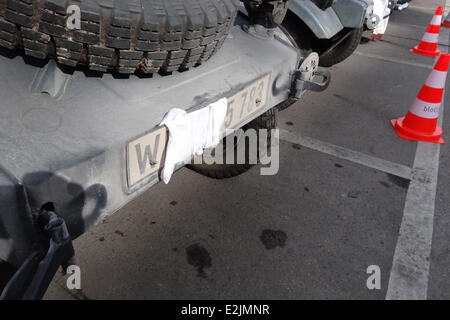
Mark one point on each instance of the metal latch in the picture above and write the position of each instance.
(305, 76)
(33, 278)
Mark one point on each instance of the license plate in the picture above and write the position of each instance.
(244, 104)
(145, 155)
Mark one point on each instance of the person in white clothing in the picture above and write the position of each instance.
(381, 10)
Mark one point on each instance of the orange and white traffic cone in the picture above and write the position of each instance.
(429, 44)
(420, 123)
(446, 22)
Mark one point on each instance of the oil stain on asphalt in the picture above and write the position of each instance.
(120, 233)
(273, 238)
(199, 257)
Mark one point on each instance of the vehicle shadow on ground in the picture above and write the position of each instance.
(79, 207)
(6, 272)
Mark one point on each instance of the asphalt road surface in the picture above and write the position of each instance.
(349, 194)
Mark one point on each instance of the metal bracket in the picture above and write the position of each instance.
(35, 275)
(268, 13)
(318, 86)
(303, 80)
(305, 74)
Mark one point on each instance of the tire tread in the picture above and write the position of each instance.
(123, 36)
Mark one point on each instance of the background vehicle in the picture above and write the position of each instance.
(331, 28)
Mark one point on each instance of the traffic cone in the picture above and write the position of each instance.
(420, 123)
(446, 22)
(429, 43)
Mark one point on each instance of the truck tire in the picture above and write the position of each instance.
(123, 36)
(298, 33)
(343, 50)
(267, 121)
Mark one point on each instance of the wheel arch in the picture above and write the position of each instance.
(353, 13)
(323, 23)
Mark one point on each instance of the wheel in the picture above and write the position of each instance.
(299, 33)
(221, 171)
(338, 53)
(124, 36)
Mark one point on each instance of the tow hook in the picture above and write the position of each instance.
(305, 75)
(33, 278)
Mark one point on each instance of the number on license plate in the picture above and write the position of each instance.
(245, 103)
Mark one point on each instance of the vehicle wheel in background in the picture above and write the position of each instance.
(267, 121)
(342, 49)
(299, 33)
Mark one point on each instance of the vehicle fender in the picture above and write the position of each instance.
(323, 23)
(353, 13)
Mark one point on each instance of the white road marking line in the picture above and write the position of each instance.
(409, 25)
(394, 60)
(426, 8)
(411, 264)
(347, 154)
(393, 35)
